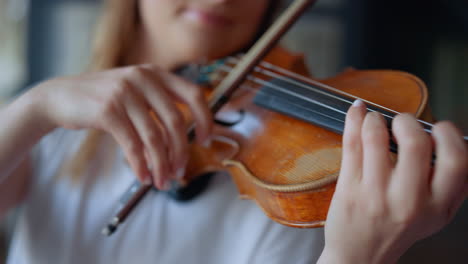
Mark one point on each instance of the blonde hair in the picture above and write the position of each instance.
(115, 32)
(113, 41)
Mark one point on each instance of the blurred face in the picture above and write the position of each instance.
(183, 31)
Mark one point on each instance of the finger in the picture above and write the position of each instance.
(151, 136)
(459, 200)
(414, 156)
(172, 120)
(450, 172)
(376, 156)
(115, 121)
(351, 164)
(193, 96)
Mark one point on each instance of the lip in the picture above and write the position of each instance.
(206, 17)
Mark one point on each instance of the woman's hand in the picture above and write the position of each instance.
(119, 101)
(380, 208)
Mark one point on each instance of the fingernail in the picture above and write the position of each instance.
(167, 185)
(207, 143)
(148, 180)
(180, 173)
(358, 103)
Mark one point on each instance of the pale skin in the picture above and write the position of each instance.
(118, 101)
(381, 208)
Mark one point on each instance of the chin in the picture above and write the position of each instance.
(206, 47)
(201, 53)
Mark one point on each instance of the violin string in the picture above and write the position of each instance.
(276, 87)
(286, 72)
(300, 77)
(257, 80)
(305, 79)
(289, 80)
(292, 81)
(294, 75)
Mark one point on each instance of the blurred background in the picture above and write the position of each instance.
(44, 38)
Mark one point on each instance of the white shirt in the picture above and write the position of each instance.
(61, 221)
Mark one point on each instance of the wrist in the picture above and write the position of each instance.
(334, 256)
(35, 113)
(331, 256)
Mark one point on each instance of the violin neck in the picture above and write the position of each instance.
(315, 105)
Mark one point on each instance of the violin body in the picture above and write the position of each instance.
(289, 166)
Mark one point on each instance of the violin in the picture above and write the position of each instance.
(281, 142)
(279, 132)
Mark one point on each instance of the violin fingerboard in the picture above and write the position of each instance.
(311, 104)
